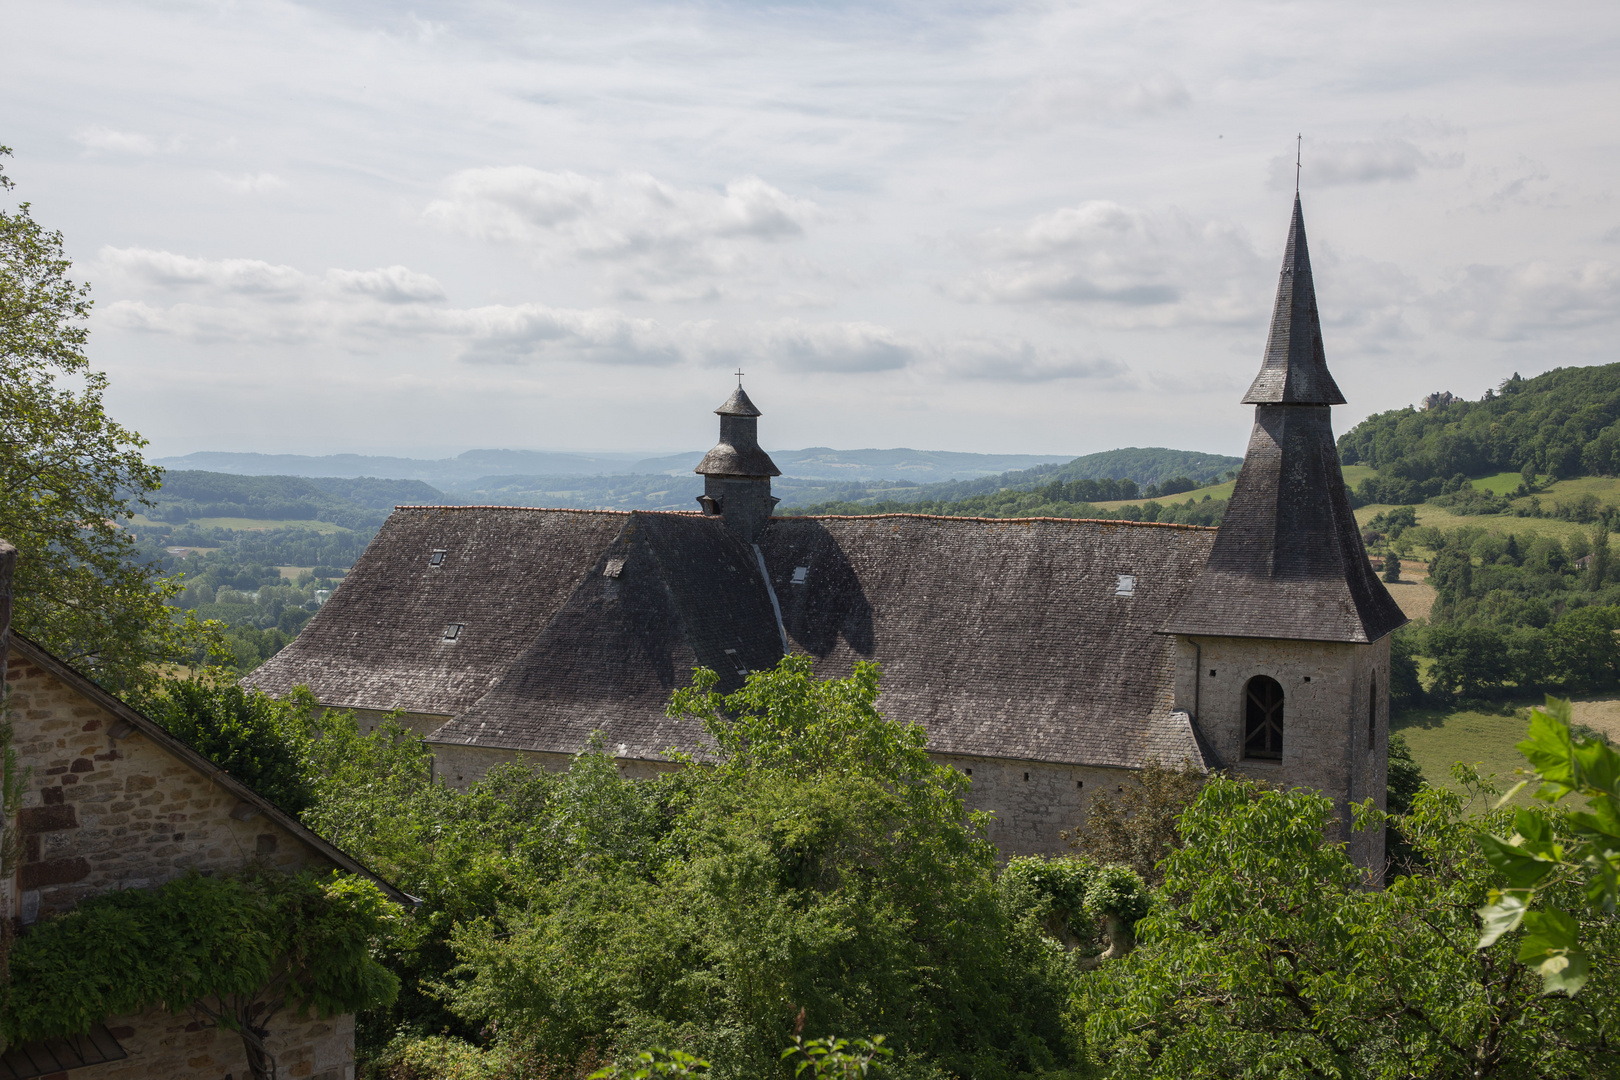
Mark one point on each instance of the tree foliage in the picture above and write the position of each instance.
(1267, 955)
(260, 740)
(234, 951)
(1573, 857)
(67, 473)
(1140, 824)
(820, 865)
(1563, 423)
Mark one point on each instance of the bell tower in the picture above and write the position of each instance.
(1283, 641)
(737, 473)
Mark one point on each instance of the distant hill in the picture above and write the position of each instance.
(1145, 467)
(476, 467)
(1564, 423)
(188, 494)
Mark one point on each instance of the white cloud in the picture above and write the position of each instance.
(1515, 303)
(391, 284)
(660, 241)
(1368, 161)
(1121, 264)
(117, 142)
(249, 183)
(165, 268)
(1048, 102)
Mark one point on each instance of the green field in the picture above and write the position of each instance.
(1503, 483)
(1487, 741)
(325, 528)
(1501, 524)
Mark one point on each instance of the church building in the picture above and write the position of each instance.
(1045, 657)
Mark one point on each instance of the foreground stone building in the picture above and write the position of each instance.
(1043, 656)
(115, 802)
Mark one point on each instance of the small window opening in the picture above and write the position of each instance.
(437, 558)
(970, 772)
(453, 631)
(1263, 719)
(1372, 712)
(1127, 585)
(1026, 776)
(1212, 673)
(1078, 784)
(801, 574)
(1307, 678)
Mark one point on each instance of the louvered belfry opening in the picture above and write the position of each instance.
(1288, 562)
(1263, 719)
(737, 472)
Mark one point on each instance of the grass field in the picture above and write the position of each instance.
(325, 528)
(1503, 483)
(1501, 524)
(1485, 740)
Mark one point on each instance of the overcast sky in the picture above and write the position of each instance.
(1034, 227)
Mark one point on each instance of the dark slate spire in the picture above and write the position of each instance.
(1288, 561)
(1295, 371)
(737, 472)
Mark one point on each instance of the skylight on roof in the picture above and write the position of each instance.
(1127, 585)
(614, 568)
(801, 574)
(437, 557)
(453, 631)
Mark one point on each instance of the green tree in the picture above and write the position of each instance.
(818, 861)
(260, 740)
(1571, 864)
(1267, 955)
(1392, 567)
(1597, 571)
(1140, 824)
(68, 472)
(233, 951)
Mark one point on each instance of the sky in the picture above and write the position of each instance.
(1022, 228)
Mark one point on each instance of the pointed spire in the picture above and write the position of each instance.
(1295, 370)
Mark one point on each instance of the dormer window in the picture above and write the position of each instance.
(453, 631)
(437, 558)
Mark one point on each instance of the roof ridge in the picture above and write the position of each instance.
(542, 509)
(960, 517)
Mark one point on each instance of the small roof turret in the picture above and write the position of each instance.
(1295, 370)
(738, 452)
(738, 404)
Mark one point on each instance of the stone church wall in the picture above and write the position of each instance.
(1033, 802)
(1325, 713)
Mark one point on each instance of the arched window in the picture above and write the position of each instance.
(1372, 712)
(1263, 719)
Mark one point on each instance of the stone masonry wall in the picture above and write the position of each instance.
(162, 1045)
(1033, 801)
(102, 813)
(1326, 687)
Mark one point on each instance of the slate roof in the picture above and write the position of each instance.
(1295, 368)
(1288, 561)
(669, 593)
(1005, 638)
(738, 452)
(379, 642)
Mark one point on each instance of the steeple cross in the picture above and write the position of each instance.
(739, 376)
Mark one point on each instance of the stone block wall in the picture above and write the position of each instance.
(1033, 801)
(160, 1044)
(102, 813)
(1328, 689)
